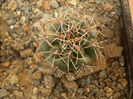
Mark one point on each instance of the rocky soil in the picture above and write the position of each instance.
(23, 76)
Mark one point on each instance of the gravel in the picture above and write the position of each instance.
(23, 75)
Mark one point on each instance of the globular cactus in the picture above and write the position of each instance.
(68, 43)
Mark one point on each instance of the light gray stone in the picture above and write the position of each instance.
(54, 4)
(19, 3)
(88, 80)
(36, 82)
(3, 93)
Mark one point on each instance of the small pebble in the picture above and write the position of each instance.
(109, 91)
(98, 1)
(73, 2)
(81, 82)
(123, 82)
(120, 87)
(117, 95)
(35, 90)
(26, 53)
(103, 74)
(37, 75)
(88, 80)
(6, 64)
(49, 81)
(112, 50)
(46, 5)
(19, 3)
(12, 5)
(18, 94)
(23, 20)
(115, 64)
(96, 83)
(69, 84)
(36, 82)
(54, 4)
(18, 46)
(90, 95)
(13, 79)
(45, 91)
(3, 93)
(80, 91)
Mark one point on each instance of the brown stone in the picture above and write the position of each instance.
(123, 82)
(25, 79)
(18, 46)
(111, 50)
(37, 75)
(69, 84)
(12, 5)
(18, 94)
(109, 91)
(6, 64)
(49, 81)
(45, 91)
(26, 28)
(26, 53)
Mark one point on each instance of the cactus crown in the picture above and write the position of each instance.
(69, 43)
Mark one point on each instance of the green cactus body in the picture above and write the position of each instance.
(69, 45)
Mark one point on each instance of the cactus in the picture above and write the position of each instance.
(69, 43)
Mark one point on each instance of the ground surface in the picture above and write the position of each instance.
(22, 78)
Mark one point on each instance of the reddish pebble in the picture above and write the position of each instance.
(46, 5)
